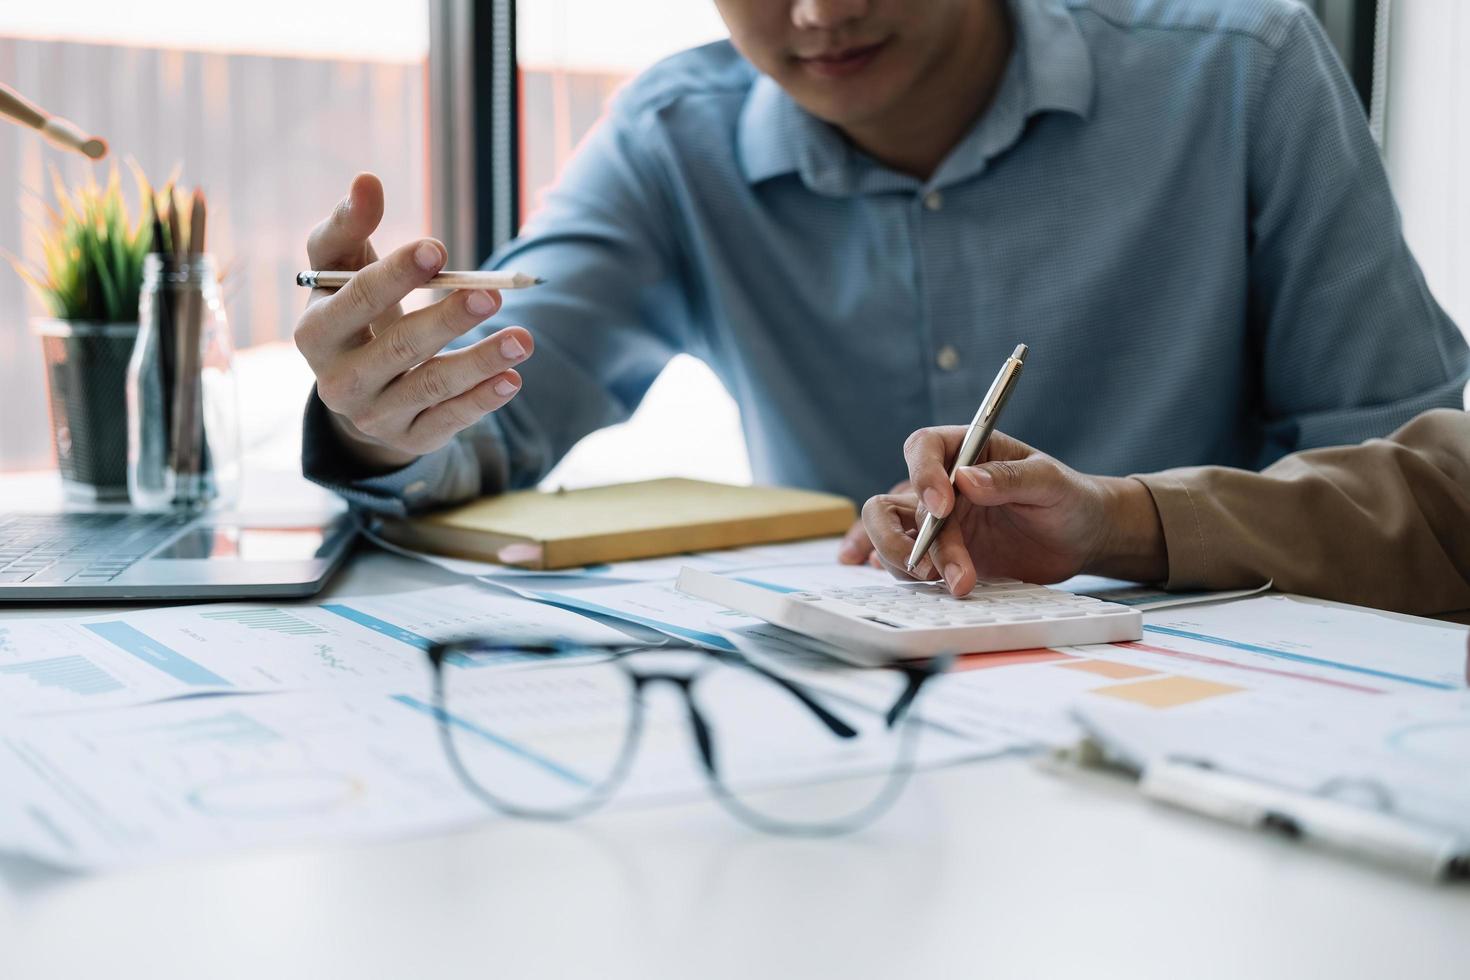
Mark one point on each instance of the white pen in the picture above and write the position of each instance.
(1384, 838)
(975, 439)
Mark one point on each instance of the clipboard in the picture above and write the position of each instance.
(1379, 836)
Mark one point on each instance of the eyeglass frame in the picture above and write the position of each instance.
(916, 674)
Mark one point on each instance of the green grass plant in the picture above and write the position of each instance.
(92, 251)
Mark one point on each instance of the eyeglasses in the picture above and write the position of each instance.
(550, 731)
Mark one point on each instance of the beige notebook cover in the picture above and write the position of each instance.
(622, 522)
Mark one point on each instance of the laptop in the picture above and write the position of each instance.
(106, 556)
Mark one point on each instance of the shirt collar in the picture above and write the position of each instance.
(1050, 70)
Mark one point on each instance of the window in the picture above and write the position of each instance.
(573, 55)
(270, 106)
(1427, 139)
(1350, 25)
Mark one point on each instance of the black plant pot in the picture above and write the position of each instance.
(86, 377)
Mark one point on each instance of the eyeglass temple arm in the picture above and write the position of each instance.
(915, 676)
(438, 651)
(834, 724)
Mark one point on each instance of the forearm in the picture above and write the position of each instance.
(1384, 524)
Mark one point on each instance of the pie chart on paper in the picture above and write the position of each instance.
(1445, 743)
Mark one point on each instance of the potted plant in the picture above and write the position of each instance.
(92, 253)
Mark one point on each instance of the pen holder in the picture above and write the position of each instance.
(86, 371)
(183, 407)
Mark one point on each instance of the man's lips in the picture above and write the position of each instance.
(847, 61)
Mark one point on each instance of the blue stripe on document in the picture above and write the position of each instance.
(454, 721)
(769, 586)
(155, 654)
(582, 605)
(390, 630)
(1298, 657)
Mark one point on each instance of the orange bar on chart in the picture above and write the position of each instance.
(1110, 668)
(981, 661)
(1168, 692)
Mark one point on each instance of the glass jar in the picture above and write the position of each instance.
(183, 405)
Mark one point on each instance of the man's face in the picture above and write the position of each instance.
(848, 62)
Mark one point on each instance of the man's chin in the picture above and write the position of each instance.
(845, 110)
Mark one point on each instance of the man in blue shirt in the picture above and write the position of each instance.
(855, 209)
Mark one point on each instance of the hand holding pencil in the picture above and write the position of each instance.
(320, 279)
(393, 392)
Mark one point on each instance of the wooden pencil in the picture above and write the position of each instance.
(188, 429)
(444, 280)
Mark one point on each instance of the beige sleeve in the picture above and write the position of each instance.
(1383, 524)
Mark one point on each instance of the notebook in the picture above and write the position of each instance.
(621, 522)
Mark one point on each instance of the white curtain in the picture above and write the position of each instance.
(1427, 140)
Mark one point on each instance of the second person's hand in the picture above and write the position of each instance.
(1019, 514)
(392, 393)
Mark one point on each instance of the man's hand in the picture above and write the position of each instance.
(1019, 514)
(857, 547)
(392, 394)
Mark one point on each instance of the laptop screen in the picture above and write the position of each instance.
(223, 541)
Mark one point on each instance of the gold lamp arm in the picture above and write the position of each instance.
(62, 132)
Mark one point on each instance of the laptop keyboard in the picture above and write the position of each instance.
(44, 549)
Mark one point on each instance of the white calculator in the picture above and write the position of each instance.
(878, 624)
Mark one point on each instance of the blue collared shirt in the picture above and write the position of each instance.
(1178, 206)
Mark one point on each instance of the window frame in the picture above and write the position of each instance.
(474, 104)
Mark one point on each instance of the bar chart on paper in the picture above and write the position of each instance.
(271, 620)
(49, 665)
(59, 665)
(75, 674)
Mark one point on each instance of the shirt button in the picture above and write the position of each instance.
(933, 200)
(948, 358)
(415, 488)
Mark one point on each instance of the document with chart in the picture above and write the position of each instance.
(1270, 654)
(206, 775)
(51, 665)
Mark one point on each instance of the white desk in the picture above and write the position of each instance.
(994, 869)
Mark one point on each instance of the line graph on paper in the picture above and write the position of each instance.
(326, 654)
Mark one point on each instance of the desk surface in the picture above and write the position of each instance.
(995, 869)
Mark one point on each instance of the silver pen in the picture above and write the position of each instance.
(975, 439)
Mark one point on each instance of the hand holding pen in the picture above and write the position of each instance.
(971, 446)
(393, 392)
(1015, 513)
